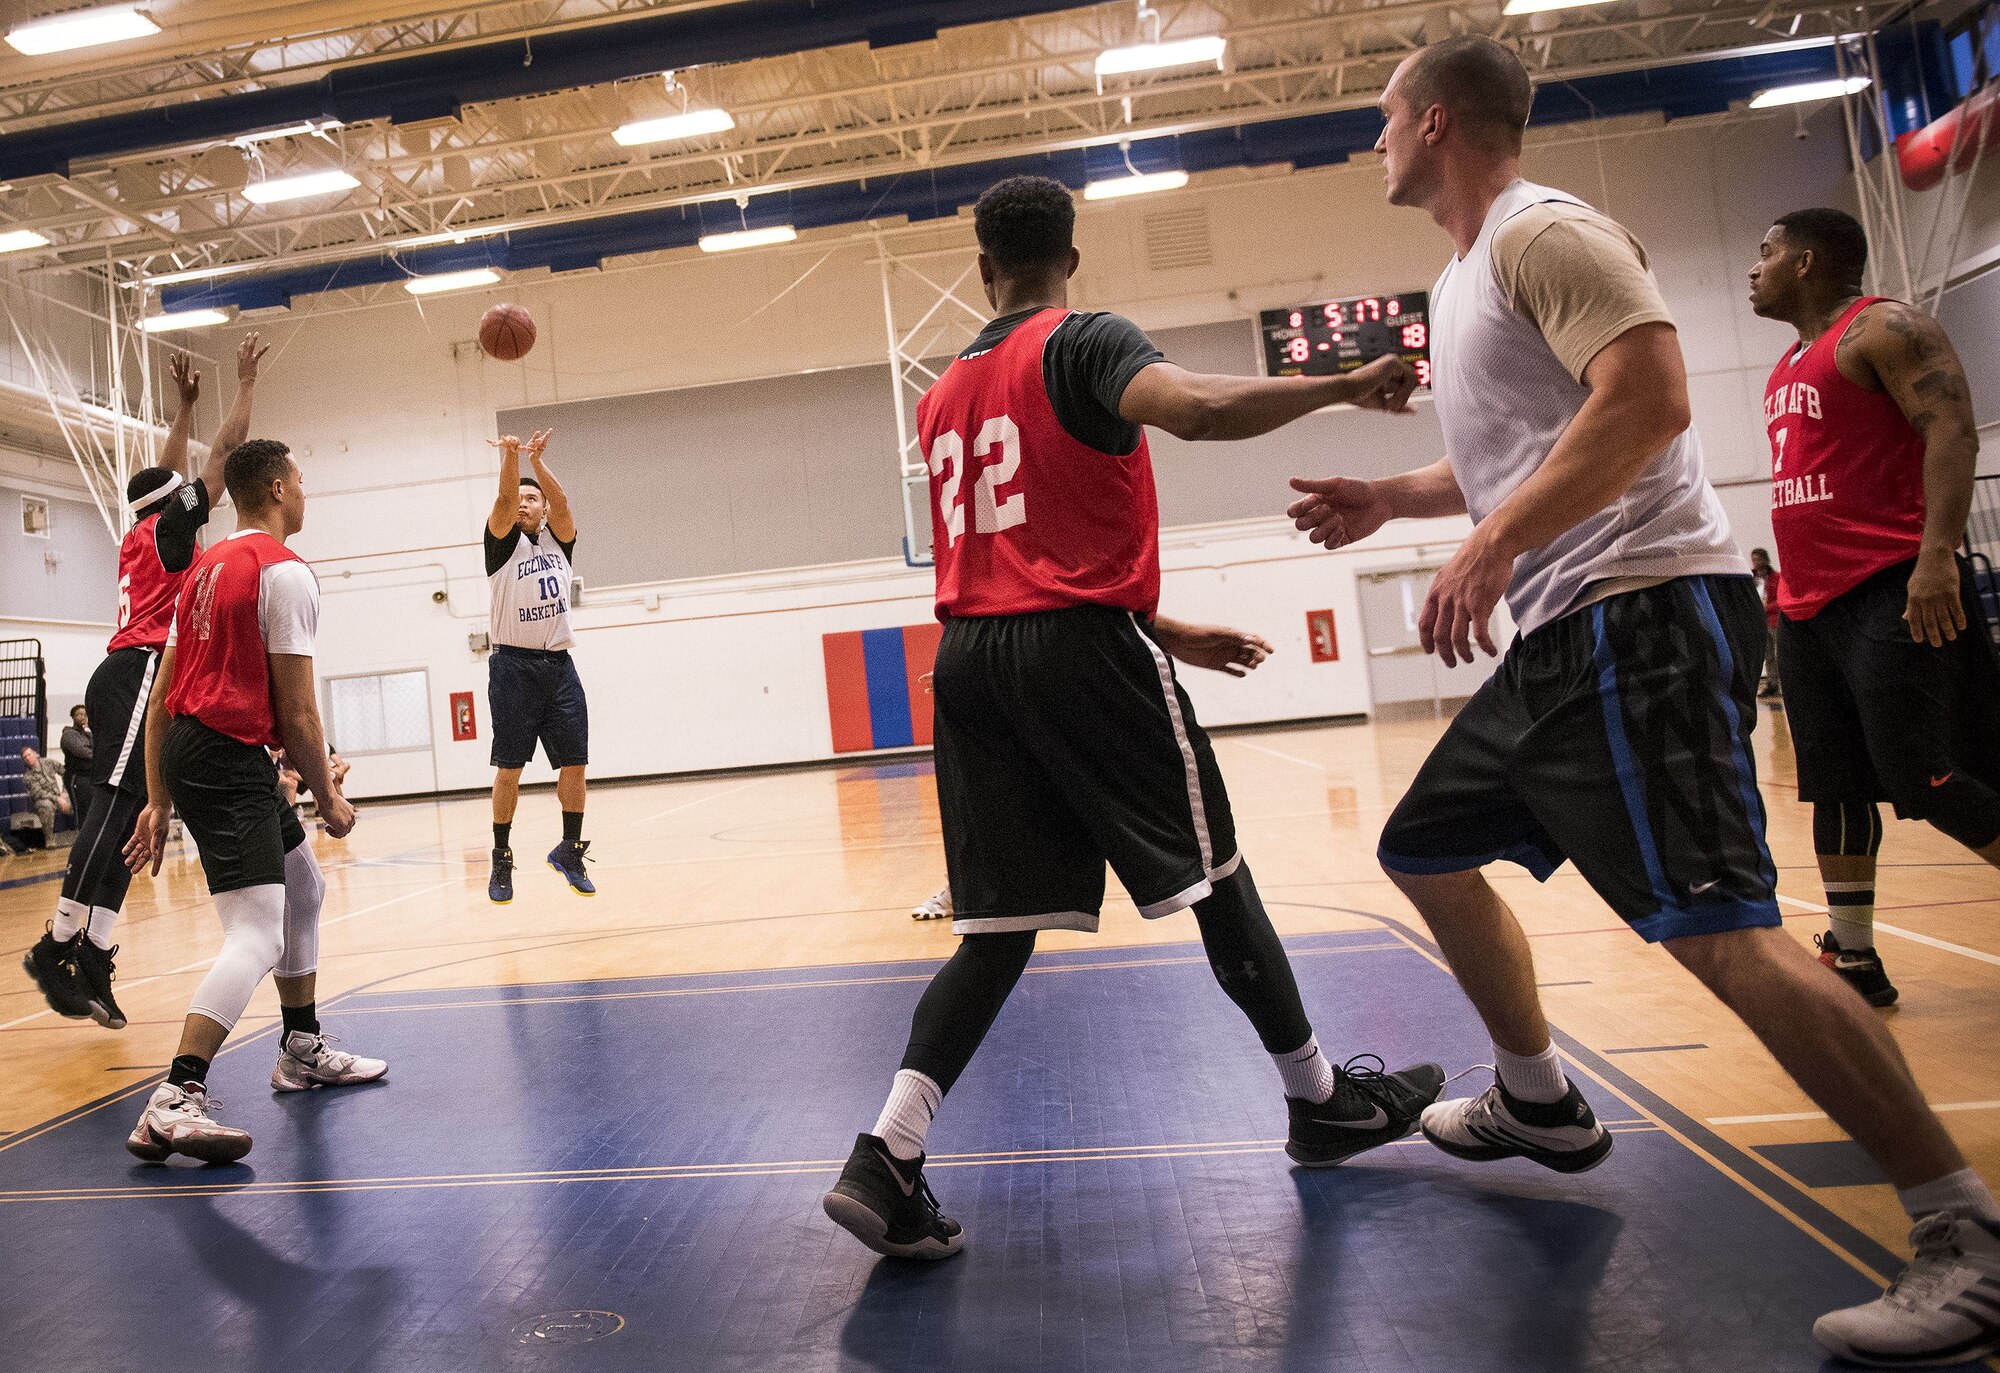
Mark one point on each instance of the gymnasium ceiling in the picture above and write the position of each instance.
(492, 121)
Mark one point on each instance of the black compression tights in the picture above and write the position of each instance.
(959, 1006)
(97, 875)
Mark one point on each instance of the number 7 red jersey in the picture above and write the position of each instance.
(1025, 517)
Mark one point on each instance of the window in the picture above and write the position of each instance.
(387, 712)
(1975, 49)
(35, 517)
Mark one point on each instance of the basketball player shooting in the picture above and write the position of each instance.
(531, 684)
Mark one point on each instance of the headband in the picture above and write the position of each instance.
(158, 493)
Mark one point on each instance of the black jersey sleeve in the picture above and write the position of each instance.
(1088, 363)
(181, 519)
(499, 548)
(568, 547)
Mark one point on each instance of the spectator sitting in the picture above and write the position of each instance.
(44, 781)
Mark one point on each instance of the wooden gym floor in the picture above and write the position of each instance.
(685, 1058)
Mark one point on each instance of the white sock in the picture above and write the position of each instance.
(70, 916)
(906, 1116)
(1531, 1077)
(1962, 1194)
(1306, 1073)
(1851, 914)
(103, 920)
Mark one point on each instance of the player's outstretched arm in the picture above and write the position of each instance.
(1197, 405)
(187, 381)
(508, 500)
(1337, 511)
(1912, 356)
(1216, 647)
(148, 844)
(236, 424)
(562, 520)
(296, 712)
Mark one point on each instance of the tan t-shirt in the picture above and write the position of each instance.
(1579, 276)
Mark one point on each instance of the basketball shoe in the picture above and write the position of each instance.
(177, 1120)
(567, 859)
(1944, 1309)
(937, 907)
(500, 884)
(1860, 969)
(1368, 1108)
(1563, 1135)
(308, 1061)
(884, 1202)
(52, 963)
(99, 971)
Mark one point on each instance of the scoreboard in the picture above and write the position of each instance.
(1335, 336)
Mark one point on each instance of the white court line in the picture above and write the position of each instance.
(701, 800)
(1911, 935)
(1288, 757)
(1821, 1115)
(204, 962)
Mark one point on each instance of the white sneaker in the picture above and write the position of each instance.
(177, 1121)
(937, 908)
(1563, 1135)
(308, 1061)
(1944, 1309)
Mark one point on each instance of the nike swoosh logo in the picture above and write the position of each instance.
(1374, 1122)
(1940, 781)
(1701, 887)
(909, 1188)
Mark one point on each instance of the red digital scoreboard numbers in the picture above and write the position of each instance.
(1335, 336)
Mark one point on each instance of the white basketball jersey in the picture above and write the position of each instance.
(531, 595)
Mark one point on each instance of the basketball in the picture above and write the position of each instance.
(507, 332)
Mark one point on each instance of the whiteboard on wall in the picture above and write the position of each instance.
(800, 470)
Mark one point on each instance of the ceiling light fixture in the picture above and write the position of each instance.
(304, 126)
(1804, 91)
(687, 124)
(451, 281)
(1146, 57)
(80, 29)
(299, 187)
(1139, 183)
(183, 319)
(15, 240)
(748, 238)
(1544, 6)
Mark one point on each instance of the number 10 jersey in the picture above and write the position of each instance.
(1024, 517)
(531, 595)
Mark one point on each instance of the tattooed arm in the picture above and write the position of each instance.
(1904, 352)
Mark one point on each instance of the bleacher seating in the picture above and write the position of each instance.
(16, 733)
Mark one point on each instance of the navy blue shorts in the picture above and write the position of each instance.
(534, 695)
(1616, 738)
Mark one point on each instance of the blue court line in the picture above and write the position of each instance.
(12, 882)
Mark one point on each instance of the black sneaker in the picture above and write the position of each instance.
(1860, 969)
(886, 1204)
(53, 966)
(1368, 1107)
(567, 859)
(98, 974)
(1563, 1135)
(500, 886)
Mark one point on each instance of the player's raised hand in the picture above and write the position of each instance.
(506, 443)
(148, 844)
(1337, 511)
(248, 355)
(537, 443)
(1384, 384)
(187, 380)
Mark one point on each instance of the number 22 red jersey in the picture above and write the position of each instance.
(1023, 516)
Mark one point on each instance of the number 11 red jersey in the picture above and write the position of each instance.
(1023, 516)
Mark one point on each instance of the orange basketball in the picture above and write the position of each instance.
(507, 332)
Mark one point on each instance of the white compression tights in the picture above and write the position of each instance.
(264, 929)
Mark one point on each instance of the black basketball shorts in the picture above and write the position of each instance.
(226, 792)
(116, 702)
(1876, 716)
(1064, 742)
(535, 695)
(1617, 738)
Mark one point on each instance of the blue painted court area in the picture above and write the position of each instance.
(626, 1175)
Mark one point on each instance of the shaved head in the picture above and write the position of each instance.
(1480, 83)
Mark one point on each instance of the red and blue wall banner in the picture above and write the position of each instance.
(874, 693)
